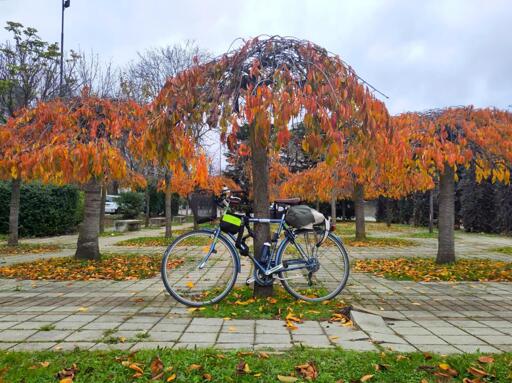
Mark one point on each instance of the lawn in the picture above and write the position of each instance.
(117, 267)
(426, 270)
(503, 250)
(208, 365)
(349, 228)
(28, 248)
(240, 304)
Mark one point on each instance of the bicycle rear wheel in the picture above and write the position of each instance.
(328, 269)
(197, 271)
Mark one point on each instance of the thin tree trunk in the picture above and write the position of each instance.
(446, 216)
(87, 245)
(102, 208)
(261, 202)
(146, 221)
(317, 205)
(359, 211)
(388, 212)
(14, 212)
(333, 210)
(431, 211)
(344, 210)
(168, 201)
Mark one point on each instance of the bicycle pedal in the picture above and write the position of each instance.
(250, 280)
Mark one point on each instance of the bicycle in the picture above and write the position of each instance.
(200, 267)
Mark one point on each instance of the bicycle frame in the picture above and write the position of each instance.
(270, 267)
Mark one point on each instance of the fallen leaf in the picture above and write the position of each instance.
(242, 368)
(135, 367)
(194, 367)
(207, 377)
(66, 380)
(486, 359)
(189, 284)
(263, 355)
(477, 372)
(156, 367)
(83, 309)
(44, 364)
(308, 370)
(287, 379)
(171, 378)
(366, 378)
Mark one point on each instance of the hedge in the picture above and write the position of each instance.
(45, 210)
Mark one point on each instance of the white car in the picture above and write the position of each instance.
(111, 205)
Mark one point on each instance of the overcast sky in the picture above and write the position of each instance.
(422, 54)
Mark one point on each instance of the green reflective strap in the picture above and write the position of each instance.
(231, 219)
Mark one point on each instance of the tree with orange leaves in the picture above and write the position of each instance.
(447, 138)
(82, 140)
(267, 84)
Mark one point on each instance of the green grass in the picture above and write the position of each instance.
(221, 366)
(163, 241)
(422, 234)
(503, 250)
(349, 228)
(240, 304)
(47, 327)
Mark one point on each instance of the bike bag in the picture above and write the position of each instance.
(305, 218)
(230, 223)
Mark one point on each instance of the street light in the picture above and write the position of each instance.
(65, 4)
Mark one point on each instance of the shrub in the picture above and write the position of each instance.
(131, 204)
(45, 210)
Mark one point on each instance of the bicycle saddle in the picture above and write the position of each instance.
(288, 201)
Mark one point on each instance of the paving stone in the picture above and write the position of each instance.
(70, 346)
(207, 321)
(441, 331)
(311, 340)
(15, 335)
(358, 345)
(85, 336)
(235, 338)
(369, 322)
(135, 326)
(398, 347)
(272, 338)
(385, 338)
(423, 339)
(491, 339)
(196, 337)
(203, 328)
(99, 326)
(240, 329)
(234, 346)
(193, 345)
(28, 346)
(6, 325)
(169, 327)
(65, 325)
(443, 349)
(164, 336)
(6, 346)
(461, 339)
(472, 348)
(467, 324)
(411, 330)
(151, 345)
(52, 335)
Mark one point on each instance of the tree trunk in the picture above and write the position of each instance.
(261, 204)
(359, 211)
(333, 210)
(388, 212)
(446, 217)
(88, 246)
(168, 201)
(431, 211)
(344, 210)
(102, 207)
(146, 220)
(317, 205)
(14, 212)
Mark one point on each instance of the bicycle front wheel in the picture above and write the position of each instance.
(198, 269)
(313, 273)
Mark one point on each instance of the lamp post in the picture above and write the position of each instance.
(65, 4)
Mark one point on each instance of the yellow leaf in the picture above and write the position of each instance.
(66, 380)
(444, 366)
(287, 379)
(136, 367)
(247, 369)
(190, 284)
(83, 309)
(44, 364)
(193, 367)
(171, 378)
(366, 378)
(333, 337)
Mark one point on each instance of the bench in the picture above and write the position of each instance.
(157, 221)
(123, 225)
(179, 219)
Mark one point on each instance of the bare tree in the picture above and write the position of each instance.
(142, 80)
